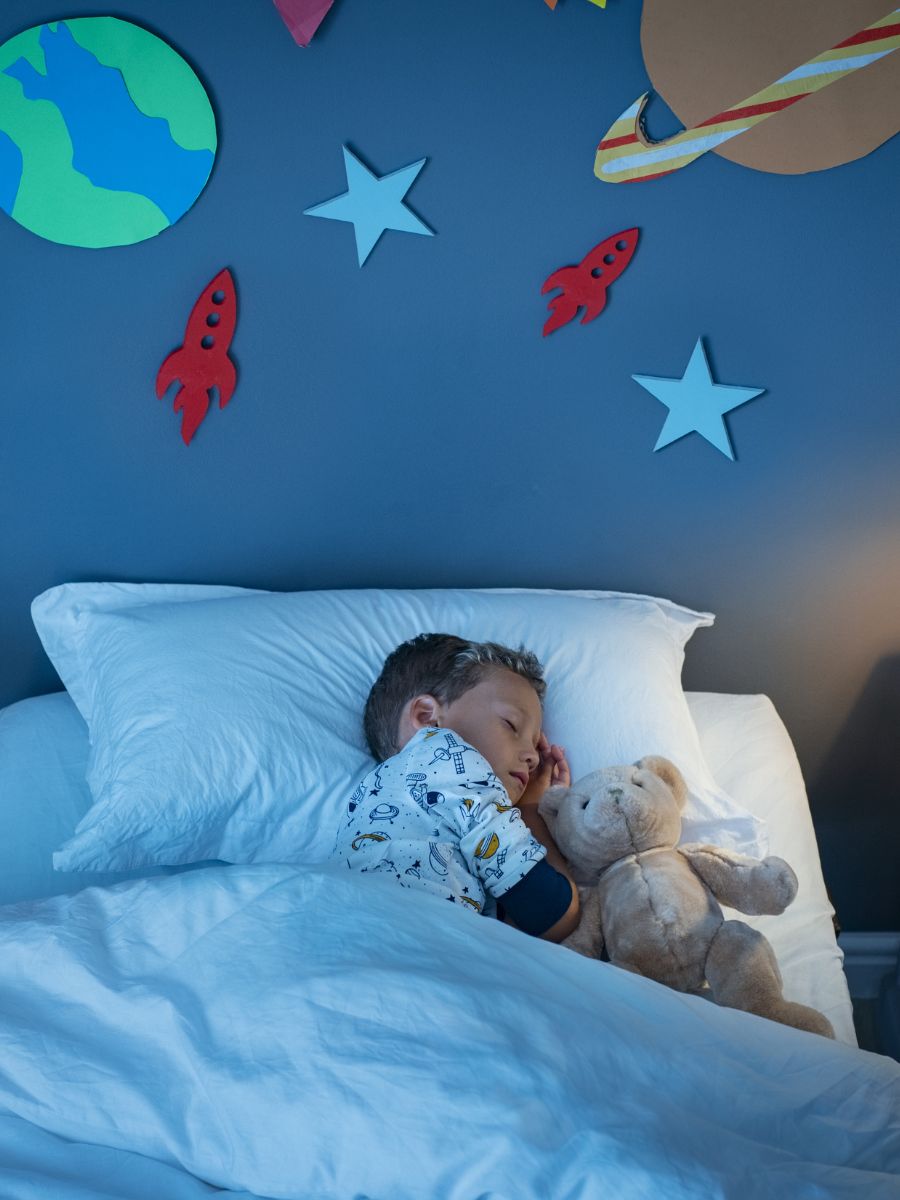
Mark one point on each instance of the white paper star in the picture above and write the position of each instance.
(696, 404)
(373, 204)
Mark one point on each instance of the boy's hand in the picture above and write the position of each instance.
(552, 769)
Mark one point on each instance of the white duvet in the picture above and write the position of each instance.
(306, 1033)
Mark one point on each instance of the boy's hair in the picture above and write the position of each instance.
(443, 666)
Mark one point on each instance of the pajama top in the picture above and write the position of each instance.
(436, 817)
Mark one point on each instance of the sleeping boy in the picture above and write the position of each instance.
(451, 808)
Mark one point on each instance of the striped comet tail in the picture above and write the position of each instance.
(626, 155)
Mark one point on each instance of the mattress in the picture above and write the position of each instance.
(43, 794)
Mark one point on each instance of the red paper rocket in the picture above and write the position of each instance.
(585, 286)
(202, 362)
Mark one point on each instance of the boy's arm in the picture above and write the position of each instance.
(551, 769)
(493, 826)
(568, 922)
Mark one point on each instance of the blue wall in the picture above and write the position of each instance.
(407, 425)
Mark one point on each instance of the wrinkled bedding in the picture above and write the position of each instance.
(305, 1033)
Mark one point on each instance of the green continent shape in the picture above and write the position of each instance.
(55, 201)
(24, 45)
(158, 79)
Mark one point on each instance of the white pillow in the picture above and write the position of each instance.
(231, 727)
(56, 614)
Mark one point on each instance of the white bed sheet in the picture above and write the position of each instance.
(303, 1005)
(309, 1032)
(44, 751)
(43, 794)
(751, 755)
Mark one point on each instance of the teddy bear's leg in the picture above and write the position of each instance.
(743, 973)
(587, 938)
(704, 992)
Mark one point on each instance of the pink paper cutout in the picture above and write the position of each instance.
(303, 17)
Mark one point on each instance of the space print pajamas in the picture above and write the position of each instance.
(436, 817)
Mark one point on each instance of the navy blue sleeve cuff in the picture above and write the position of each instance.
(538, 900)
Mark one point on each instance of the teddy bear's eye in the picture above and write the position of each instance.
(584, 806)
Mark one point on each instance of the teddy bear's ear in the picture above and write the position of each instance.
(668, 773)
(551, 800)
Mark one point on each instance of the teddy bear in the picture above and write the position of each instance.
(656, 904)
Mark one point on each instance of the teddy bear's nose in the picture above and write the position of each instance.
(616, 794)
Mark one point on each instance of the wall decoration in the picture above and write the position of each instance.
(696, 404)
(107, 136)
(599, 3)
(202, 362)
(373, 204)
(626, 154)
(585, 285)
(303, 17)
(753, 43)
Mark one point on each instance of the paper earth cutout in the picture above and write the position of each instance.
(107, 136)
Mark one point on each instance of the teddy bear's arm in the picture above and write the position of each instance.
(587, 938)
(750, 885)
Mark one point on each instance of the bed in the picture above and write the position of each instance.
(284, 1030)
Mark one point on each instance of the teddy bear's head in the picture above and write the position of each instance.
(615, 812)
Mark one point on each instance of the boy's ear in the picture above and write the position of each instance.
(422, 710)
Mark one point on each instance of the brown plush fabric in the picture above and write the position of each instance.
(656, 905)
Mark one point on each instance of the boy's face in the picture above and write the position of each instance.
(501, 718)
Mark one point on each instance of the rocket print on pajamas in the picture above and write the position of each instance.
(453, 830)
(454, 750)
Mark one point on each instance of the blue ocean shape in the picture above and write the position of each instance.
(10, 171)
(114, 144)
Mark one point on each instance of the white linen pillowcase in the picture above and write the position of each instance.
(57, 614)
(230, 727)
